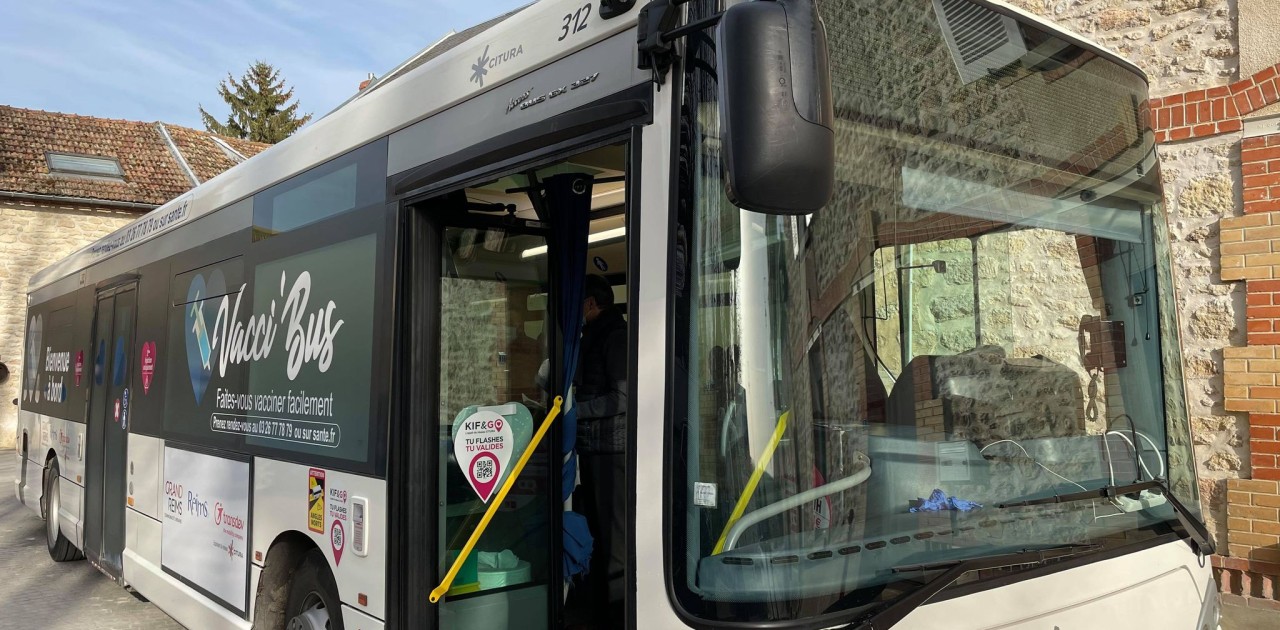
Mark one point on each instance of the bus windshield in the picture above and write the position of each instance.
(982, 315)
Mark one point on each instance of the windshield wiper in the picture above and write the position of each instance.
(1200, 541)
(888, 617)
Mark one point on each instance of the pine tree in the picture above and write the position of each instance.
(259, 107)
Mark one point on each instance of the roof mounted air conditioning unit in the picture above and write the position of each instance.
(980, 39)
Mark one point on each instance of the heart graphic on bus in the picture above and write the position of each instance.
(199, 314)
(35, 339)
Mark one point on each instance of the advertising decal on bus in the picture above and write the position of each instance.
(206, 520)
(148, 365)
(35, 336)
(337, 539)
(281, 359)
(48, 368)
(143, 228)
(315, 500)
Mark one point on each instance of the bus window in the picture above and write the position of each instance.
(348, 182)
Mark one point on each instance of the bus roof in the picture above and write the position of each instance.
(482, 60)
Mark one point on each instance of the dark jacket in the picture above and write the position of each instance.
(601, 384)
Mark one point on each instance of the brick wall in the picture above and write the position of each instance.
(1250, 251)
(33, 237)
(1250, 573)
(1260, 173)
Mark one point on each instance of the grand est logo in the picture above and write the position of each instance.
(217, 336)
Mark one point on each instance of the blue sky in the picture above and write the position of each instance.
(157, 60)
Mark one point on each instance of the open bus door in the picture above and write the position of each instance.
(107, 438)
(488, 295)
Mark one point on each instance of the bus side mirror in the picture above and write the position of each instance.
(776, 120)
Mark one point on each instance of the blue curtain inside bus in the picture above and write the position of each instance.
(569, 197)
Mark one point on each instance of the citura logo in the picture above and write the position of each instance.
(478, 68)
(484, 63)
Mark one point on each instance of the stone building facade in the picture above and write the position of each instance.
(1215, 102)
(67, 180)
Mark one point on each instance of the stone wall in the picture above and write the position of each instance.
(33, 237)
(1199, 191)
(1182, 45)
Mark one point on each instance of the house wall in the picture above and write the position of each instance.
(33, 236)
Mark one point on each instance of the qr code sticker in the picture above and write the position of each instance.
(484, 470)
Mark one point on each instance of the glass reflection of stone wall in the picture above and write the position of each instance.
(472, 332)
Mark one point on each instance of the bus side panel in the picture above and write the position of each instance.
(189, 607)
(27, 482)
(47, 435)
(282, 501)
(64, 439)
(143, 533)
(1161, 587)
(146, 491)
(353, 619)
(144, 540)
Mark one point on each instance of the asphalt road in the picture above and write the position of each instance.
(39, 593)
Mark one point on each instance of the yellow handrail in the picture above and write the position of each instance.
(439, 591)
(747, 492)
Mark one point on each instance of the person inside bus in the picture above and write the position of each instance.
(601, 399)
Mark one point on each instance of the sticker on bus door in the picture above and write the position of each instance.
(482, 444)
(148, 365)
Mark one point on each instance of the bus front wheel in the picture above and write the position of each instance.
(60, 549)
(313, 596)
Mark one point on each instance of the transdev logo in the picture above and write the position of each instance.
(221, 516)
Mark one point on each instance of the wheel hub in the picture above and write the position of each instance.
(51, 513)
(313, 618)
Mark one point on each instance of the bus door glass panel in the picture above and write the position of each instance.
(108, 429)
(493, 393)
(99, 384)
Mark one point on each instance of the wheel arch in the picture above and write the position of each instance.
(283, 556)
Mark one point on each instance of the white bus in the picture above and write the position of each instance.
(896, 341)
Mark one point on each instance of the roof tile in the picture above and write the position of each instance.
(151, 175)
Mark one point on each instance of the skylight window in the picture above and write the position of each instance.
(84, 165)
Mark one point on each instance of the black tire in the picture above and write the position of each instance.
(312, 588)
(60, 549)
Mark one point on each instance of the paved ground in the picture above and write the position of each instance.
(1241, 618)
(40, 593)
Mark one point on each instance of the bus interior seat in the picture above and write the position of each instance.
(987, 396)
